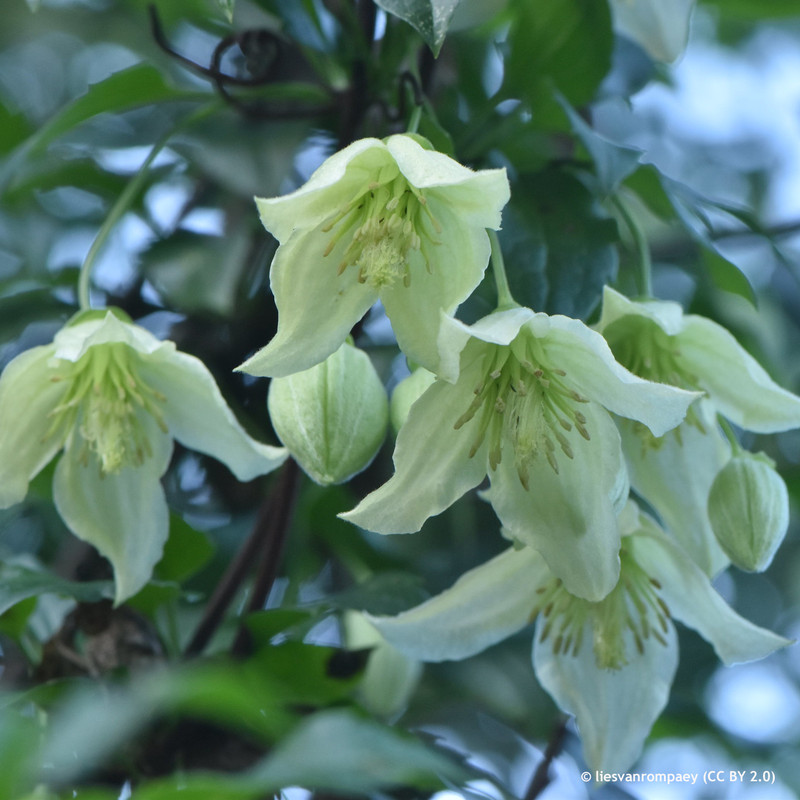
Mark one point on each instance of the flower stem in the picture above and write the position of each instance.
(413, 121)
(124, 201)
(642, 246)
(731, 436)
(504, 298)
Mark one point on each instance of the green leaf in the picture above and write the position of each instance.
(430, 18)
(382, 594)
(129, 88)
(185, 552)
(227, 7)
(560, 249)
(341, 752)
(19, 583)
(557, 44)
(612, 162)
(728, 276)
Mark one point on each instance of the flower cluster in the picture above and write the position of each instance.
(564, 420)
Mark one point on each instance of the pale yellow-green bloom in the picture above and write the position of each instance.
(113, 397)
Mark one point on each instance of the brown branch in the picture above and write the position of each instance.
(541, 777)
(276, 529)
(259, 540)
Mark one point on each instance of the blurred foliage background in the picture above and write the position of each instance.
(705, 154)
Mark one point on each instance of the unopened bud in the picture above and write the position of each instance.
(332, 417)
(748, 506)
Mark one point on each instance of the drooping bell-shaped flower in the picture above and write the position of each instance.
(610, 663)
(657, 341)
(381, 219)
(529, 407)
(113, 397)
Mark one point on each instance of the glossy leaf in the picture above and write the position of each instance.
(430, 18)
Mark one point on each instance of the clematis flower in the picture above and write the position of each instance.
(674, 473)
(113, 397)
(609, 663)
(529, 406)
(381, 220)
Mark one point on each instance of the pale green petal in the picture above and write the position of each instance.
(739, 386)
(72, 341)
(691, 599)
(484, 606)
(675, 479)
(198, 416)
(27, 396)
(569, 517)
(501, 327)
(666, 314)
(477, 198)
(124, 514)
(316, 307)
(431, 459)
(339, 179)
(615, 709)
(593, 371)
(456, 266)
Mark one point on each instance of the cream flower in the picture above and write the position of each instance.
(657, 341)
(529, 407)
(610, 663)
(113, 397)
(381, 219)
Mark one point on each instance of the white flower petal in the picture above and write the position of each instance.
(27, 396)
(198, 416)
(675, 479)
(72, 341)
(594, 372)
(316, 307)
(661, 27)
(431, 459)
(691, 599)
(124, 514)
(457, 264)
(332, 186)
(569, 517)
(666, 314)
(501, 327)
(484, 606)
(739, 386)
(615, 709)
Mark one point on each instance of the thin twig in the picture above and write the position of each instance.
(229, 584)
(541, 777)
(281, 507)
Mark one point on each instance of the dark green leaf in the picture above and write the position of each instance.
(385, 593)
(19, 583)
(727, 276)
(559, 248)
(430, 18)
(197, 273)
(341, 752)
(612, 162)
(185, 552)
(557, 44)
(129, 88)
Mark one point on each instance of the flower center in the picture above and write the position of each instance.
(645, 349)
(103, 404)
(386, 222)
(632, 607)
(523, 400)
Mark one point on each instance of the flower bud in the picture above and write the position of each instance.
(406, 393)
(332, 417)
(748, 506)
